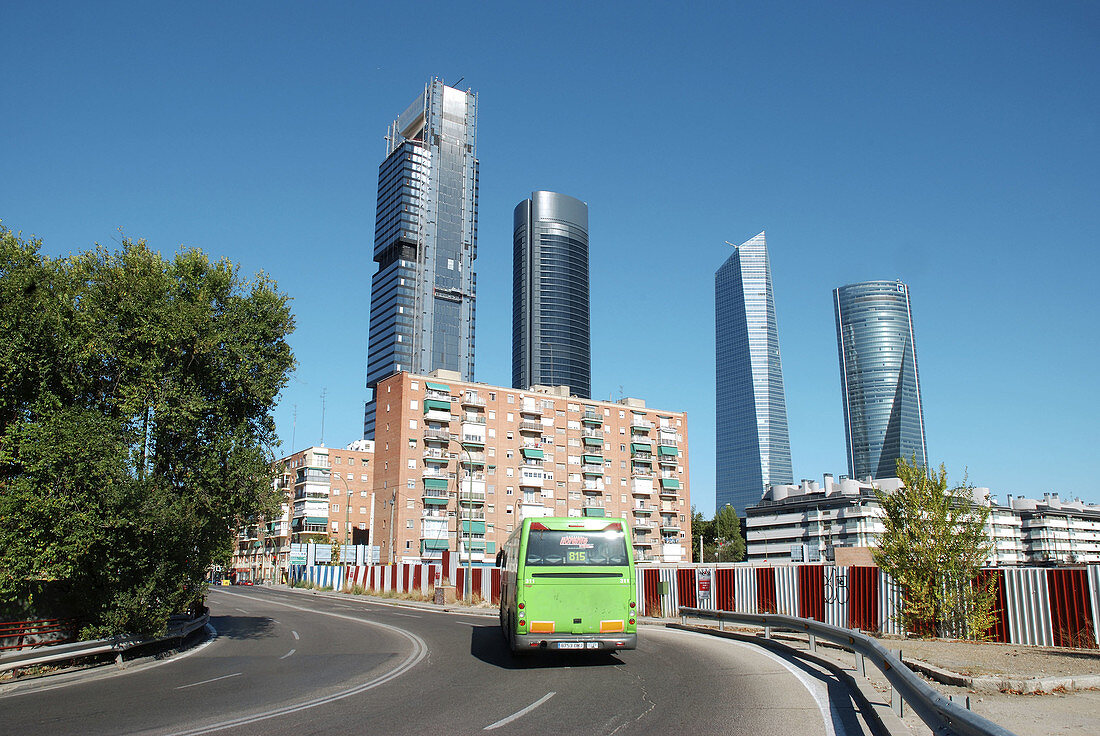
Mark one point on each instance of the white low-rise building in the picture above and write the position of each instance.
(809, 521)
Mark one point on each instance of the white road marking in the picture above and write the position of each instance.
(406, 615)
(242, 610)
(288, 654)
(296, 637)
(419, 652)
(520, 713)
(213, 679)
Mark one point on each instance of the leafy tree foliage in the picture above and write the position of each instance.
(727, 530)
(934, 546)
(722, 539)
(134, 417)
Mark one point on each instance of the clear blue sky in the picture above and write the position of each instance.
(951, 145)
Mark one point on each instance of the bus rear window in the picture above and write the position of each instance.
(576, 547)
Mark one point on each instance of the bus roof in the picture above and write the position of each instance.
(565, 523)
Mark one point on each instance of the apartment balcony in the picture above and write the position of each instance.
(530, 482)
(435, 496)
(644, 511)
(430, 472)
(532, 408)
(437, 435)
(668, 460)
(436, 455)
(437, 396)
(592, 485)
(642, 542)
(472, 459)
(642, 526)
(529, 426)
(592, 470)
(642, 473)
(466, 496)
(669, 493)
(467, 513)
(640, 425)
(435, 415)
(591, 417)
(594, 433)
(473, 419)
(472, 400)
(477, 440)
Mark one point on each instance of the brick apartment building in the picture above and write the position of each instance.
(448, 451)
(329, 495)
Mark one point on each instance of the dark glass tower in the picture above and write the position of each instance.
(883, 416)
(425, 242)
(551, 341)
(753, 448)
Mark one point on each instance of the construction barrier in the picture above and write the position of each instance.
(1034, 606)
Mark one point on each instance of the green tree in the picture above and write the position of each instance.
(727, 531)
(933, 546)
(134, 417)
(701, 527)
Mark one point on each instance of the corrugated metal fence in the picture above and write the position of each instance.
(1034, 606)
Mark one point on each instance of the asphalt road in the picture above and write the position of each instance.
(284, 662)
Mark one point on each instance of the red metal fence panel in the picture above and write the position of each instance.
(685, 583)
(494, 586)
(765, 590)
(652, 598)
(999, 630)
(725, 590)
(1070, 609)
(811, 592)
(863, 598)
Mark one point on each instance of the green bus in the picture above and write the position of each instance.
(568, 584)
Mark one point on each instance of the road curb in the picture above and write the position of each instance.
(415, 605)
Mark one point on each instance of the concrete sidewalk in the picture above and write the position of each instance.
(1046, 690)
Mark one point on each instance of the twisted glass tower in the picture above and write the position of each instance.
(551, 336)
(425, 242)
(883, 416)
(753, 448)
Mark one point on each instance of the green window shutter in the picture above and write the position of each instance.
(439, 404)
(667, 451)
(594, 459)
(438, 386)
(439, 484)
(435, 501)
(670, 483)
(532, 452)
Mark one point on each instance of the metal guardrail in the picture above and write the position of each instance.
(938, 712)
(177, 629)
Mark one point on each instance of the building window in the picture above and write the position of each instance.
(511, 399)
(414, 404)
(414, 385)
(409, 524)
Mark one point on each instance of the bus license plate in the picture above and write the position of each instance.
(571, 645)
(592, 645)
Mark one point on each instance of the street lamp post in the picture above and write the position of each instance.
(347, 515)
(458, 531)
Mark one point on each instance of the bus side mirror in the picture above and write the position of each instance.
(500, 558)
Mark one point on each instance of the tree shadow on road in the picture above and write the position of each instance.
(488, 645)
(243, 627)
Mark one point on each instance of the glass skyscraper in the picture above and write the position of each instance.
(551, 336)
(883, 416)
(425, 242)
(753, 448)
